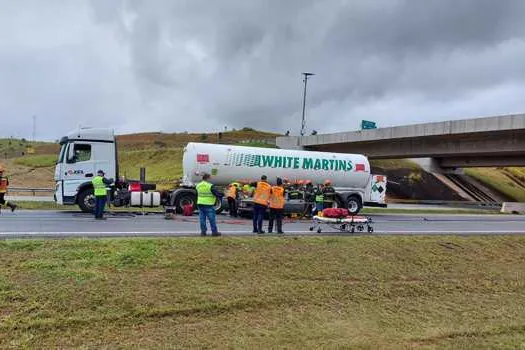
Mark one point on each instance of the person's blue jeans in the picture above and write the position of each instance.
(100, 203)
(207, 211)
(319, 206)
(258, 217)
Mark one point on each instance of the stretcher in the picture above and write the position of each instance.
(348, 224)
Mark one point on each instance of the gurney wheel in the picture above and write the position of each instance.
(311, 228)
(360, 228)
(370, 229)
(352, 229)
(319, 230)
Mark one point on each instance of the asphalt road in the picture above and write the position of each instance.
(36, 223)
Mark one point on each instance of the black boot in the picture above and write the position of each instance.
(12, 206)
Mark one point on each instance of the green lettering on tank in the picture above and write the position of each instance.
(317, 164)
(332, 161)
(278, 162)
(308, 163)
(325, 164)
(349, 166)
(342, 165)
(267, 161)
(296, 163)
(257, 161)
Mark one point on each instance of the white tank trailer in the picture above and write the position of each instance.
(350, 173)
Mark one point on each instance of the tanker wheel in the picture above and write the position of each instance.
(218, 206)
(183, 199)
(354, 204)
(86, 200)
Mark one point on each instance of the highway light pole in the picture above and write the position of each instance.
(305, 80)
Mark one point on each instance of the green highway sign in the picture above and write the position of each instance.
(367, 124)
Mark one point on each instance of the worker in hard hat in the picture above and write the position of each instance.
(261, 198)
(247, 190)
(319, 199)
(276, 205)
(328, 194)
(4, 183)
(232, 194)
(100, 182)
(309, 197)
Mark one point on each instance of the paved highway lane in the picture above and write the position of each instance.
(66, 224)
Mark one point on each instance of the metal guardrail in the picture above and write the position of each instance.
(31, 190)
(447, 203)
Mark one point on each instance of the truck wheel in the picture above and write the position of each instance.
(354, 204)
(185, 198)
(218, 206)
(86, 200)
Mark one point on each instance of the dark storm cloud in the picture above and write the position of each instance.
(201, 65)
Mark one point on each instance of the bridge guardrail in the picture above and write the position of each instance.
(447, 203)
(34, 191)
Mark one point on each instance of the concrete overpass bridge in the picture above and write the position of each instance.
(482, 142)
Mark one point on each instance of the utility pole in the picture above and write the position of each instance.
(305, 80)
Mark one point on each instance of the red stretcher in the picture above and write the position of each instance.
(347, 224)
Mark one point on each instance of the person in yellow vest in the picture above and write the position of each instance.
(232, 192)
(276, 207)
(4, 183)
(99, 183)
(207, 195)
(261, 197)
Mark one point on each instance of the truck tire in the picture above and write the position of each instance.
(183, 198)
(86, 200)
(218, 206)
(354, 204)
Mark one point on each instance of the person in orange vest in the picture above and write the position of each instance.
(232, 193)
(4, 182)
(276, 207)
(261, 198)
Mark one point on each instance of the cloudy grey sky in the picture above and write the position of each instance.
(200, 65)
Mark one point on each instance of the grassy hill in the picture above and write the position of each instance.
(161, 154)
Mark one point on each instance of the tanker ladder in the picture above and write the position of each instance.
(347, 224)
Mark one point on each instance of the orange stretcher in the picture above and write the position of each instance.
(347, 224)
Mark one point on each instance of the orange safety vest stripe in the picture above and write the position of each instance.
(3, 185)
(277, 197)
(262, 193)
(231, 192)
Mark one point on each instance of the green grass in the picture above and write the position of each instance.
(37, 161)
(256, 144)
(161, 165)
(360, 292)
(388, 164)
(496, 179)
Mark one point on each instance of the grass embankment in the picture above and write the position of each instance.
(37, 161)
(355, 292)
(498, 179)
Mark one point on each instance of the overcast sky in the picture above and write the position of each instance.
(195, 65)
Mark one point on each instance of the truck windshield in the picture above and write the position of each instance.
(62, 152)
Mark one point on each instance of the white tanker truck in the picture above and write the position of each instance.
(85, 151)
(350, 173)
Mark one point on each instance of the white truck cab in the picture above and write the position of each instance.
(82, 153)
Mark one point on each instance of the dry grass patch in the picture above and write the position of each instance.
(358, 292)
